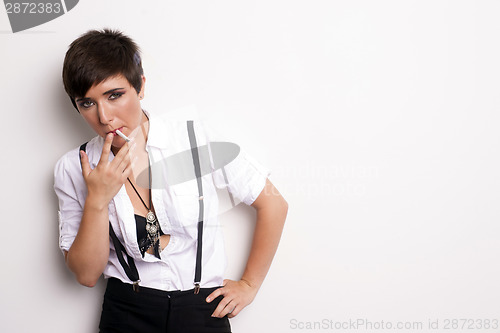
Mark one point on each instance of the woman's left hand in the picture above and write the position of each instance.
(237, 295)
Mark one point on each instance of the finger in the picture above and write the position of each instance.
(222, 308)
(226, 310)
(106, 148)
(216, 293)
(234, 312)
(123, 156)
(84, 159)
(122, 162)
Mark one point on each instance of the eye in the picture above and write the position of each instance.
(86, 104)
(115, 95)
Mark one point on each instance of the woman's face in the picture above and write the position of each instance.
(113, 104)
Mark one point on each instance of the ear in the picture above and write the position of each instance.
(143, 87)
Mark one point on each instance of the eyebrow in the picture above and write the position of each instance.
(104, 93)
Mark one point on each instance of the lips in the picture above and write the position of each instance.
(114, 131)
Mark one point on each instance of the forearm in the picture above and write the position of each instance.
(89, 253)
(268, 229)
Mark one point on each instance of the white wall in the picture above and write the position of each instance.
(379, 120)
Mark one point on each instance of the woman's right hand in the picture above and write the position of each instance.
(104, 182)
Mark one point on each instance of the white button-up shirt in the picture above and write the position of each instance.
(176, 206)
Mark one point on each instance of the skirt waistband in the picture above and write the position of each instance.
(117, 286)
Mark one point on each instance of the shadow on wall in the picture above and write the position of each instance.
(66, 281)
(75, 132)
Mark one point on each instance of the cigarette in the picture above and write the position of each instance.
(122, 135)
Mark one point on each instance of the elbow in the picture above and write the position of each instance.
(86, 274)
(83, 276)
(282, 210)
(87, 281)
(86, 277)
(284, 206)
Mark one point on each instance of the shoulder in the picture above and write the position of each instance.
(68, 162)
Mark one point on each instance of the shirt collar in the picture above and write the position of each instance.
(157, 132)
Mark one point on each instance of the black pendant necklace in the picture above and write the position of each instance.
(152, 225)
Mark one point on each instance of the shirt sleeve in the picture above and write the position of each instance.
(70, 189)
(244, 177)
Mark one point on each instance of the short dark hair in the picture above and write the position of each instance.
(98, 55)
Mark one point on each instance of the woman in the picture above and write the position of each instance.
(156, 242)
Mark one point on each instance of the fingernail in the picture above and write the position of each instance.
(209, 299)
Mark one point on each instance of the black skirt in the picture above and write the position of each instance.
(154, 311)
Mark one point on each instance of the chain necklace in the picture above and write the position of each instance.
(152, 225)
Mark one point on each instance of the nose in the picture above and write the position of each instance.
(104, 114)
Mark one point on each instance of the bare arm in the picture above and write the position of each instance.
(89, 253)
(271, 213)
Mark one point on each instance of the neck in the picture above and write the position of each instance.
(139, 135)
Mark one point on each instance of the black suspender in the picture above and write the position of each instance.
(129, 268)
(129, 265)
(197, 171)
